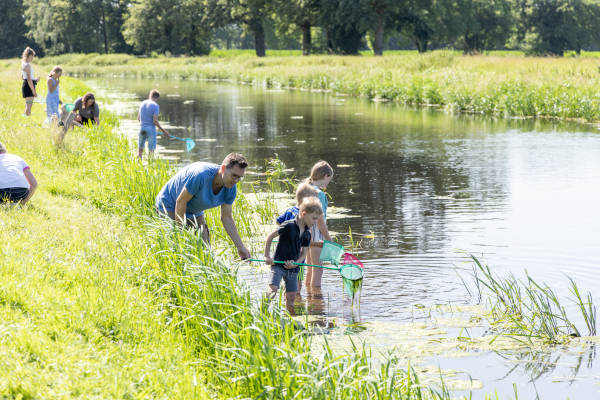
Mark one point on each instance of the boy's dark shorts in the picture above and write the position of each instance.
(13, 195)
(290, 277)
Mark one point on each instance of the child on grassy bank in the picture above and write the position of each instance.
(29, 82)
(17, 183)
(52, 98)
(294, 239)
(320, 176)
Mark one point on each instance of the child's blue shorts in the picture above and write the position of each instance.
(290, 277)
(147, 133)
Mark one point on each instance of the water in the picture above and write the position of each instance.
(419, 190)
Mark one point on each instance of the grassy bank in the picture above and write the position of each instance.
(503, 85)
(100, 300)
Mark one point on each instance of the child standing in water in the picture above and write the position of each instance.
(320, 176)
(304, 191)
(294, 239)
(52, 99)
(29, 82)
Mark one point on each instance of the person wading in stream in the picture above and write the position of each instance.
(200, 186)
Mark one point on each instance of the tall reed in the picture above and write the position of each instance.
(529, 309)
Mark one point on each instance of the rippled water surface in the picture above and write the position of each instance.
(420, 190)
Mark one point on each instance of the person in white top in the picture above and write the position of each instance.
(17, 183)
(29, 82)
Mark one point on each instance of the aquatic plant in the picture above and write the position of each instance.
(528, 309)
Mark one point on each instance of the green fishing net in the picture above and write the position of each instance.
(332, 252)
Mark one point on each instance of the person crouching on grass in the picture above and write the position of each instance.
(294, 239)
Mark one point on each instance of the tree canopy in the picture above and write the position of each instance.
(193, 27)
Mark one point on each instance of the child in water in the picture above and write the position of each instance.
(320, 176)
(303, 191)
(294, 239)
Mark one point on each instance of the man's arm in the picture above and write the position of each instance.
(160, 128)
(231, 229)
(181, 205)
(32, 184)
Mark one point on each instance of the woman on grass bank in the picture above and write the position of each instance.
(85, 112)
(17, 183)
(29, 82)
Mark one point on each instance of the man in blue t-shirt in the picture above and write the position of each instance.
(148, 117)
(200, 186)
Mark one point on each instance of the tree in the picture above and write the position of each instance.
(12, 28)
(382, 14)
(486, 24)
(429, 22)
(553, 26)
(249, 14)
(174, 26)
(60, 26)
(345, 23)
(304, 14)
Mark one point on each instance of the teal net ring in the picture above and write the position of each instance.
(351, 272)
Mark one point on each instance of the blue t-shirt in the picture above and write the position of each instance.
(290, 213)
(323, 197)
(197, 178)
(148, 109)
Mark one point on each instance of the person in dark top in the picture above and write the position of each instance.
(294, 239)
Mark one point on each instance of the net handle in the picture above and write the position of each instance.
(295, 263)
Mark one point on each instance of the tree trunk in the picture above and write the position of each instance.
(306, 39)
(378, 44)
(104, 28)
(259, 39)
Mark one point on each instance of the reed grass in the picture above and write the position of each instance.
(530, 310)
(499, 83)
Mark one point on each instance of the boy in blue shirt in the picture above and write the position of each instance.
(304, 190)
(148, 117)
(294, 239)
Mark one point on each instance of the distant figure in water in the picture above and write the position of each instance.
(294, 240)
(17, 183)
(200, 186)
(148, 117)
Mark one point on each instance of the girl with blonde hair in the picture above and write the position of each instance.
(320, 176)
(52, 98)
(29, 82)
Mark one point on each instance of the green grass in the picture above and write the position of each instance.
(497, 83)
(99, 299)
(530, 310)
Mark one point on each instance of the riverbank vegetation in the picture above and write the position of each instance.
(101, 300)
(505, 86)
(528, 310)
